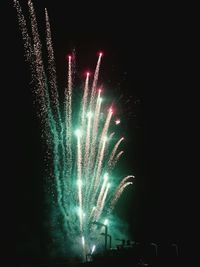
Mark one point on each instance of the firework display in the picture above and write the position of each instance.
(82, 149)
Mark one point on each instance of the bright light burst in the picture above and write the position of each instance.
(83, 151)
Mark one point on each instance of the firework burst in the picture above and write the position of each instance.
(83, 151)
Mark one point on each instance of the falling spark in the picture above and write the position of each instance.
(112, 155)
(117, 121)
(93, 249)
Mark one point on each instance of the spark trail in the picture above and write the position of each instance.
(82, 162)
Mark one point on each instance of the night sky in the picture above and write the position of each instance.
(141, 69)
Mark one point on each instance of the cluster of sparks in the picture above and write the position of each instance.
(83, 156)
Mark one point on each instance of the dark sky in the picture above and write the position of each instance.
(142, 62)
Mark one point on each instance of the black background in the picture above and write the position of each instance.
(143, 59)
